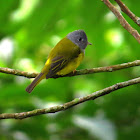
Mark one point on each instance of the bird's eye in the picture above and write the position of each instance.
(80, 39)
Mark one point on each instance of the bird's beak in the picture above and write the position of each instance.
(89, 43)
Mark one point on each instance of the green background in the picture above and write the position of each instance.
(28, 31)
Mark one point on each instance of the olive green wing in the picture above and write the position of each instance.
(56, 65)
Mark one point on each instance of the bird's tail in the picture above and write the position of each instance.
(36, 81)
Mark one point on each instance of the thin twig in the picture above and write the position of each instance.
(70, 104)
(122, 20)
(78, 72)
(126, 10)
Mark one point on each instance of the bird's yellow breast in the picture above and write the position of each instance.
(72, 65)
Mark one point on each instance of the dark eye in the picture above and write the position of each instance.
(80, 39)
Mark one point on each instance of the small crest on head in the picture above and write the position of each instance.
(79, 38)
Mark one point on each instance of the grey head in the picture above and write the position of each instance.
(79, 38)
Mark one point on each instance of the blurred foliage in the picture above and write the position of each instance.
(28, 30)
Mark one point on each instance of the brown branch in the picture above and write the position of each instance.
(78, 72)
(126, 10)
(122, 20)
(70, 104)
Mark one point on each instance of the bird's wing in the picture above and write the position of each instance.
(56, 65)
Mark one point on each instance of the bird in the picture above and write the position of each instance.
(64, 58)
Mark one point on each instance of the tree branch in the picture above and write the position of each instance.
(70, 104)
(78, 72)
(122, 20)
(126, 10)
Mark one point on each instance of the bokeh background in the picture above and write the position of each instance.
(28, 31)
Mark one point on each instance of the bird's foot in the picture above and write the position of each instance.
(74, 71)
